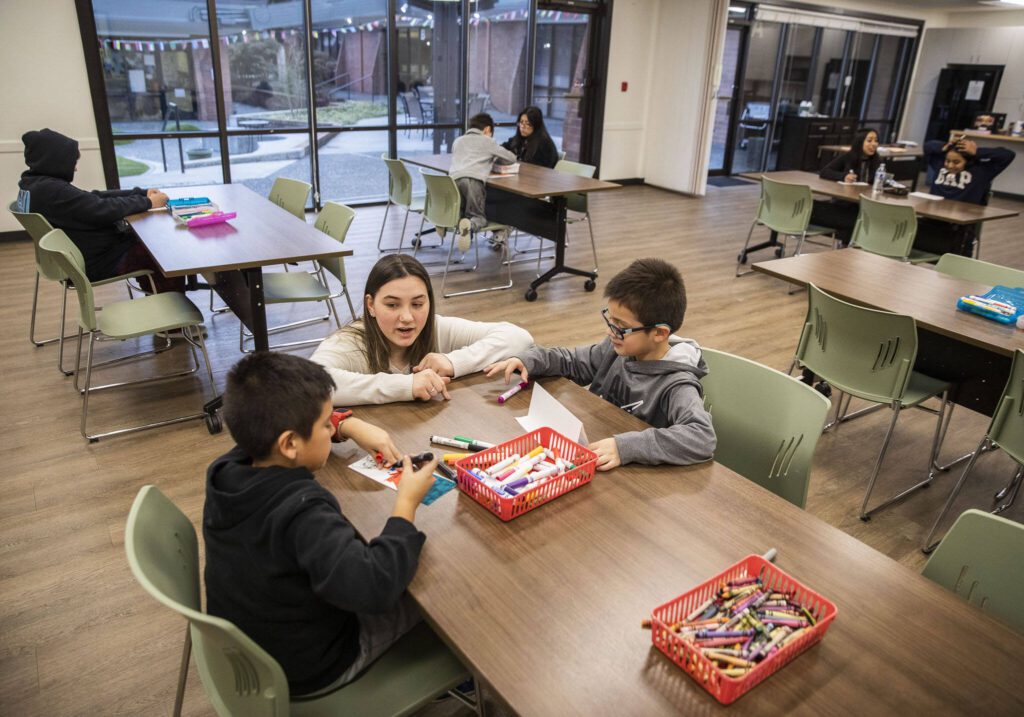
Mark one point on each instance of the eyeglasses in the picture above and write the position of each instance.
(621, 333)
(524, 123)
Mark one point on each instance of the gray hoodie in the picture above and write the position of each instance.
(473, 154)
(666, 394)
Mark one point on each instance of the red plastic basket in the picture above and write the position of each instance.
(723, 688)
(509, 508)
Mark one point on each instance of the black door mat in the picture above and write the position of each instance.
(728, 182)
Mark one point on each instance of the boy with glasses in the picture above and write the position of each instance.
(640, 367)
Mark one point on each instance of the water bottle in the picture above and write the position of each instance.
(879, 184)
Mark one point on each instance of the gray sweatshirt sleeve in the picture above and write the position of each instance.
(689, 439)
(578, 364)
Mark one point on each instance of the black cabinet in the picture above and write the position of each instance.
(802, 136)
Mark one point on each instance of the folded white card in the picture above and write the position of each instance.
(922, 195)
(545, 410)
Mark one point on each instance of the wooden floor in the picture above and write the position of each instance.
(78, 636)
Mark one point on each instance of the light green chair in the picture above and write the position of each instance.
(869, 355)
(1005, 431)
(240, 678)
(577, 203)
(292, 287)
(399, 194)
(980, 560)
(37, 227)
(122, 320)
(290, 195)
(785, 209)
(442, 208)
(980, 272)
(767, 423)
(888, 229)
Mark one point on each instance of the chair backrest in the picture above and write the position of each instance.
(784, 208)
(399, 181)
(290, 195)
(885, 228)
(981, 272)
(37, 227)
(56, 247)
(413, 106)
(767, 423)
(239, 676)
(1006, 428)
(576, 202)
(334, 220)
(980, 560)
(442, 204)
(861, 351)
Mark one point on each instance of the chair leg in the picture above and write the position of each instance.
(593, 245)
(929, 544)
(741, 259)
(348, 298)
(383, 223)
(88, 381)
(63, 328)
(32, 323)
(179, 696)
(1009, 493)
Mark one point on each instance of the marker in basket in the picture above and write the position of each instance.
(460, 444)
(464, 439)
(513, 391)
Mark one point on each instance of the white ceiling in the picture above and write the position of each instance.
(952, 5)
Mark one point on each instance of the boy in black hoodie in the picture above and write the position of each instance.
(94, 221)
(282, 562)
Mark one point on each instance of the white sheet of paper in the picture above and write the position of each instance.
(545, 410)
(974, 90)
(923, 195)
(368, 467)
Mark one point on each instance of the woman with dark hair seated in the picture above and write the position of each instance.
(856, 166)
(963, 173)
(532, 143)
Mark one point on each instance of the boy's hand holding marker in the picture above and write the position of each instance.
(508, 367)
(414, 485)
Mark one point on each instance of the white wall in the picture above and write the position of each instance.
(979, 45)
(630, 58)
(44, 84)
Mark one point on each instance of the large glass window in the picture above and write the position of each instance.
(252, 90)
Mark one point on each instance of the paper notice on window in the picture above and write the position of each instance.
(974, 89)
(137, 80)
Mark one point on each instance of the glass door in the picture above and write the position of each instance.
(721, 157)
(563, 76)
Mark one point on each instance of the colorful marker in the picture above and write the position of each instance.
(460, 444)
(473, 440)
(512, 391)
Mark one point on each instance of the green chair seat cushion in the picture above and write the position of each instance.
(282, 287)
(919, 389)
(409, 674)
(493, 227)
(815, 230)
(922, 257)
(147, 315)
(417, 203)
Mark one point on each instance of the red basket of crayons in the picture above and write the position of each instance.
(515, 477)
(764, 619)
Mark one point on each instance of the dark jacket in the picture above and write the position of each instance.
(92, 220)
(286, 567)
(973, 183)
(533, 149)
(863, 167)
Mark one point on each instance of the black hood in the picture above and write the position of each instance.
(50, 154)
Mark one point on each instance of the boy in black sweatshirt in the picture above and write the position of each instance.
(94, 221)
(282, 562)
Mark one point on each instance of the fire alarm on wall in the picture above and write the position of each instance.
(625, 86)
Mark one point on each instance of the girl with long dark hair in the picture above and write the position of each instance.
(855, 166)
(401, 350)
(531, 143)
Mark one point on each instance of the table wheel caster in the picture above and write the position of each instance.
(590, 285)
(416, 242)
(780, 252)
(531, 294)
(742, 258)
(213, 423)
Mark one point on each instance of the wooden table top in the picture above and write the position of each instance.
(975, 134)
(532, 181)
(883, 150)
(877, 282)
(262, 233)
(546, 609)
(946, 210)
